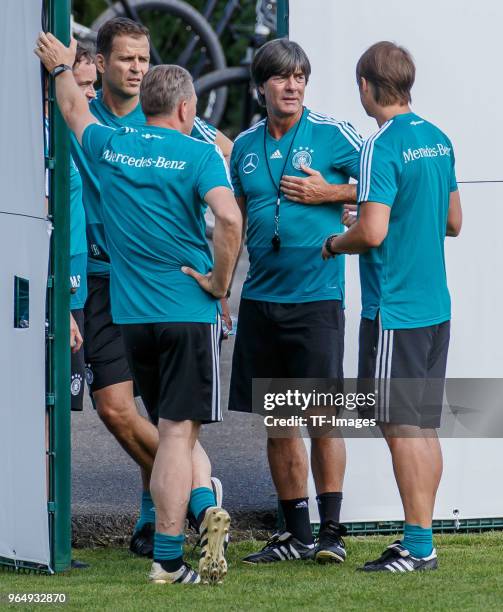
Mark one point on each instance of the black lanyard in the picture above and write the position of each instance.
(276, 240)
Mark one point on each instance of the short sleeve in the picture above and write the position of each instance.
(213, 172)
(94, 139)
(346, 147)
(203, 131)
(453, 181)
(379, 174)
(236, 181)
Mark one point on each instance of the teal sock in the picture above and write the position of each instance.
(417, 540)
(147, 511)
(201, 499)
(168, 551)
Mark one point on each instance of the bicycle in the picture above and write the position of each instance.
(179, 34)
(237, 79)
(182, 35)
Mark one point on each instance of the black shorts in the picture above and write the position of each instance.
(77, 367)
(104, 351)
(176, 369)
(407, 368)
(276, 340)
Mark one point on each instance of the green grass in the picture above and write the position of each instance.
(470, 577)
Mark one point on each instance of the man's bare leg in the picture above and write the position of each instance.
(172, 486)
(328, 464)
(289, 470)
(171, 480)
(201, 467)
(417, 464)
(289, 466)
(117, 408)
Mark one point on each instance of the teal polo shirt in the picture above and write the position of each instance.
(296, 273)
(78, 242)
(409, 166)
(153, 184)
(99, 259)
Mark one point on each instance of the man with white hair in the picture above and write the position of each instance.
(155, 182)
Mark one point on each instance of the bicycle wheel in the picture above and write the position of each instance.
(242, 109)
(178, 32)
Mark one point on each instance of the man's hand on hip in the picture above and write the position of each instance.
(206, 282)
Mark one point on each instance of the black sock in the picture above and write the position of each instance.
(329, 507)
(296, 513)
(170, 565)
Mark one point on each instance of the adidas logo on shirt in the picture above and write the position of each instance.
(276, 155)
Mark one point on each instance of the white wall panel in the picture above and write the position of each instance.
(24, 252)
(456, 45)
(21, 110)
(24, 244)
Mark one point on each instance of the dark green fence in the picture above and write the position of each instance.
(58, 341)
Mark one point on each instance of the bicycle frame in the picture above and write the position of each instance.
(221, 26)
(229, 9)
(189, 49)
(209, 8)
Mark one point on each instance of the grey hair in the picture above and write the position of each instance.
(163, 88)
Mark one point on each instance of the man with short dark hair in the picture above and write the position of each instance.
(122, 59)
(408, 202)
(291, 318)
(84, 71)
(155, 182)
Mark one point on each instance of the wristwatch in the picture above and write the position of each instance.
(59, 69)
(328, 244)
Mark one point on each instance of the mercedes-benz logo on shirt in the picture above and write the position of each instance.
(250, 163)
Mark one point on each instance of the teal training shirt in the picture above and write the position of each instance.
(78, 243)
(153, 183)
(99, 261)
(408, 165)
(296, 273)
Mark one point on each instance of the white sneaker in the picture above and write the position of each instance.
(184, 575)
